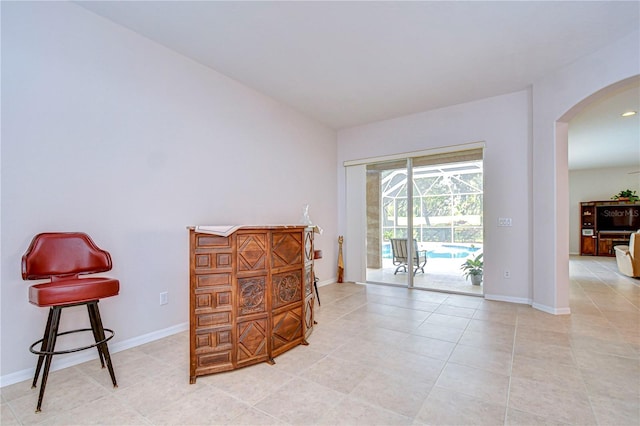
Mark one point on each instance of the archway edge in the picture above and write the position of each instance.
(607, 91)
(555, 99)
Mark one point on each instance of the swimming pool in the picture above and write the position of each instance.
(439, 250)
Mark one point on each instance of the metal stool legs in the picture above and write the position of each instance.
(46, 351)
(315, 285)
(101, 341)
(47, 348)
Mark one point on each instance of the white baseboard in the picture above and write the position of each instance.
(500, 298)
(149, 337)
(327, 282)
(543, 308)
(550, 310)
(84, 356)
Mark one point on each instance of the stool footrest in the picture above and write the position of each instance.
(68, 351)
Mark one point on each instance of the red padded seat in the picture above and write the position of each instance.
(62, 257)
(73, 291)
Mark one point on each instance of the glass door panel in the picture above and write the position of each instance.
(387, 219)
(450, 197)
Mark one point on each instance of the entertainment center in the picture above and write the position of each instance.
(605, 224)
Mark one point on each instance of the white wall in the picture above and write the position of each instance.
(556, 99)
(525, 167)
(503, 123)
(595, 185)
(106, 132)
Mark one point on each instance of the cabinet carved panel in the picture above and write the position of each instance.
(308, 280)
(286, 288)
(287, 327)
(251, 295)
(308, 314)
(308, 246)
(252, 340)
(287, 249)
(252, 252)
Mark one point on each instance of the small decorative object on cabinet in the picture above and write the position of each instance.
(304, 219)
(251, 294)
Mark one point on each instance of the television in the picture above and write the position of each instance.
(618, 218)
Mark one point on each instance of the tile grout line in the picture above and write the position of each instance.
(513, 357)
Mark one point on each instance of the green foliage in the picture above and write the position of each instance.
(448, 206)
(473, 266)
(627, 193)
(469, 204)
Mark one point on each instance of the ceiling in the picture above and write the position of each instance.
(350, 63)
(600, 137)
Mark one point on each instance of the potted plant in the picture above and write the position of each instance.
(473, 269)
(626, 195)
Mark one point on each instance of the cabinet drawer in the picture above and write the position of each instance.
(213, 340)
(214, 299)
(213, 362)
(209, 261)
(211, 241)
(212, 320)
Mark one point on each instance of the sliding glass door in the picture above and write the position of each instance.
(424, 219)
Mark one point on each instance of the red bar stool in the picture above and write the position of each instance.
(62, 258)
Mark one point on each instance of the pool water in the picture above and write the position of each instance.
(442, 251)
(450, 251)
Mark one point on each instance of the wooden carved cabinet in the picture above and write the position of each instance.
(251, 295)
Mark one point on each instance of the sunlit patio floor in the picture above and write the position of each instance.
(440, 274)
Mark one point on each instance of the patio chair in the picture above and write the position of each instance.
(401, 255)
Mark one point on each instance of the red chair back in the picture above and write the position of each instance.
(63, 254)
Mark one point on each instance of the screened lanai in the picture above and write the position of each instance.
(447, 205)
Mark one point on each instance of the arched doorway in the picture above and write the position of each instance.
(562, 189)
(555, 100)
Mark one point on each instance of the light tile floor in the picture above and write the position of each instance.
(387, 355)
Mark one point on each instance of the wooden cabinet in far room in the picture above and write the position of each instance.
(588, 245)
(606, 224)
(588, 237)
(608, 240)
